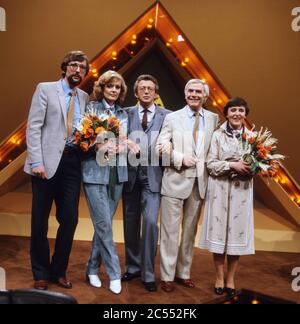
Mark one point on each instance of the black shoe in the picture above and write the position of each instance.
(230, 292)
(219, 291)
(127, 276)
(150, 286)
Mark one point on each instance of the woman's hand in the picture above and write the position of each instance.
(133, 147)
(240, 167)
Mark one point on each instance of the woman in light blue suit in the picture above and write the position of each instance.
(103, 183)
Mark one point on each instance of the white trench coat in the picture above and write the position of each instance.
(228, 214)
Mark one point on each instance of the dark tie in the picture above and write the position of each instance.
(145, 120)
(70, 117)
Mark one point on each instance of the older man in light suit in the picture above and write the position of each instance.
(141, 196)
(189, 131)
(54, 164)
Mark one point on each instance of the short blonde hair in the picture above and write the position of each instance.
(105, 79)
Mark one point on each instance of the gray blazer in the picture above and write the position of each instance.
(46, 127)
(92, 172)
(155, 173)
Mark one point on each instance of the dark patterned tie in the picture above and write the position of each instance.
(145, 120)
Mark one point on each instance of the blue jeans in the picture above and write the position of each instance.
(102, 209)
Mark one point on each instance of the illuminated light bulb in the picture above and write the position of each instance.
(255, 302)
(19, 142)
(134, 36)
(276, 180)
(183, 64)
(282, 181)
(203, 80)
(215, 104)
(180, 39)
(114, 53)
(292, 198)
(114, 58)
(10, 160)
(133, 42)
(94, 71)
(168, 44)
(170, 40)
(298, 200)
(147, 39)
(149, 26)
(220, 101)
(151, 21)
(132, 52)
(186, 60)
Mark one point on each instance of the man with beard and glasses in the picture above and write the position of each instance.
(54, 165)
(184, 183)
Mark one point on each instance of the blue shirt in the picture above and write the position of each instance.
(192, 117)
(77, 115)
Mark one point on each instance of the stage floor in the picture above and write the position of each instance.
(266, 272)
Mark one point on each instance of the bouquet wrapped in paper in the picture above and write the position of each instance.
(260, 148)
(93, 126)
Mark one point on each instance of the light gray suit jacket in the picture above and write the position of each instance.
(46, 128)
(134, 125)
(178, 181)
(92, 172)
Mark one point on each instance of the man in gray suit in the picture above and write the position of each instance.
(141, 195)
(54, 164)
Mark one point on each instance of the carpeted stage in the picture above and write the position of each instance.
(266, 272)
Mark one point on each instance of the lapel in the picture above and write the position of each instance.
(135, 119)
(185, 123)
(207, 126)
(82, 102)
(156, 124)
(62, 100)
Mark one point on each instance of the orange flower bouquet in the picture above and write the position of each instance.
(92, 125)
(260, 148)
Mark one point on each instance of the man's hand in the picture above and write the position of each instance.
(165, 148)
(189, 161)
(40, 172)
(240, 167)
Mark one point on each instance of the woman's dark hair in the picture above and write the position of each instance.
(74, 56)
(236, 102)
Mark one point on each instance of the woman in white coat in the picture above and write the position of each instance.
(228, 216)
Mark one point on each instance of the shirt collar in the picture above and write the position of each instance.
(107, 106)
(151, 108)
(234, 132)
(191, 112)
(66, 87)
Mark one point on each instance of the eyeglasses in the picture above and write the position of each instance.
(75, 66)
(144, 89)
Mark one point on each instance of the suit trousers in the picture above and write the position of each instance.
(175, 259)
(102, 208)
(141, 208)
(64, 189)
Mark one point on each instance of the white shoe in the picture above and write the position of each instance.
(94, 281)
(115, 286)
